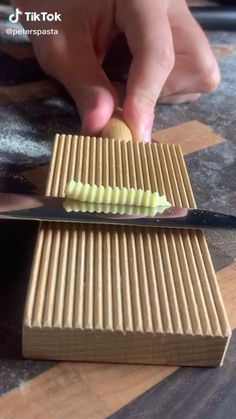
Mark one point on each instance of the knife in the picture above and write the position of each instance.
(44, 208)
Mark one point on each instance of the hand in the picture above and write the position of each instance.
(172, 60)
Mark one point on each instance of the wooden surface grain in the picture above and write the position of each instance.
(189, 393)
(72, 390)
(86, 301)
(191, 136)
(106, 388)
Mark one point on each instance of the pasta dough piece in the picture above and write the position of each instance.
(115, 196)
(71, 205)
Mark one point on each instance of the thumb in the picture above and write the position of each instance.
(83, 77)
(95, 104)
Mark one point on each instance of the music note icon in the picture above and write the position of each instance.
(14, 17)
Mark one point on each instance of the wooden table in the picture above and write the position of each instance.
(32, 109)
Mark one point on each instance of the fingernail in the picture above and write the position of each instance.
(142, 134)
(147, 135)
(146, 128)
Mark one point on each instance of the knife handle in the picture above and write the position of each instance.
(117, 128)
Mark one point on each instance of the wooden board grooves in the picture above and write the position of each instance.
(122, 281)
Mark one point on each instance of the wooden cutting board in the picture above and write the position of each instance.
(122, 294)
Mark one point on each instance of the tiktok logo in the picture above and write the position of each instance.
(34, 16)
(14, 17)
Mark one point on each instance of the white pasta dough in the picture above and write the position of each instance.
(71, 205)
(114, 196)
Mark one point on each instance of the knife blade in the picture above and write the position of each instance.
(54, 209)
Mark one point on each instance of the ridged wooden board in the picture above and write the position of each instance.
(122, 294)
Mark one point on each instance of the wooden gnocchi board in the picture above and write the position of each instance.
(123, 294)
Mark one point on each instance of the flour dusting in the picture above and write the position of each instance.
(25, 146)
